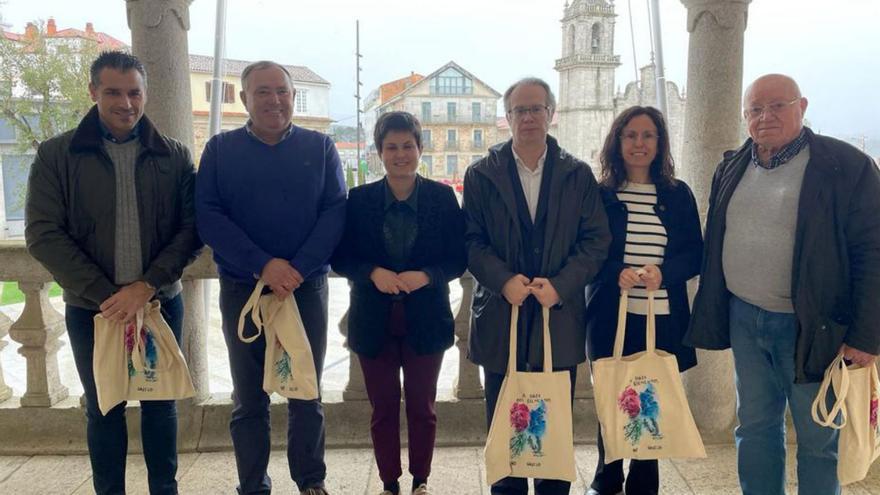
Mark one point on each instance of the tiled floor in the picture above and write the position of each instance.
(458, 471)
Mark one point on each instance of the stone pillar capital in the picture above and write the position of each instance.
(725, 13)
(150, 13)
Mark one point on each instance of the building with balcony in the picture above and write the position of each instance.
(457, 112)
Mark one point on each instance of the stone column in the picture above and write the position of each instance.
(159, 39)
(714, 88)
(5, 322)
(467, 382)
(37, 330)
(712, 126)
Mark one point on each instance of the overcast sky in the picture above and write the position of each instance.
(831, 47)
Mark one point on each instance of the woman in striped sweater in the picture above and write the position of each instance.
(656, 246)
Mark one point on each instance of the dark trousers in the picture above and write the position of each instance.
(519, 486)
(382, 378)
(249, 425)
(643, 477)
(107, 436)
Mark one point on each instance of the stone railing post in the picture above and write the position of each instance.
(194, 338)
(356, 388)
(5, 323)
(37, 330)
(467, 382)
(583, 389)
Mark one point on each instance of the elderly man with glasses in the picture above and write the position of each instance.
(536, 235)
(790, 278)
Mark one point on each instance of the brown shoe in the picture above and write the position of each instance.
(314, 491)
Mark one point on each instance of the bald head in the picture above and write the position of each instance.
(774, 110)
(780, 81)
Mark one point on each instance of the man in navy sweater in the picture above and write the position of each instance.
(270, 201)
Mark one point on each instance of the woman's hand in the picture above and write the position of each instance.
(628, 279)
(414, 280)
(388, 282)
(652, 277)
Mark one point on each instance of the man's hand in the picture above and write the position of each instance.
(544, 292)
(124, 304)
(628, 279)
(652, 277)
(414, 280)
(388, 282)
(857, 357)
(516, 290)
(281, 277)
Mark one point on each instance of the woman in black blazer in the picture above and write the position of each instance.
(403, 244)
(656, 245)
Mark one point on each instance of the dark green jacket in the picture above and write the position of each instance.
(835, 283)
(70, 215)
(575, 245)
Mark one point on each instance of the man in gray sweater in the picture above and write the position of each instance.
(110, 214)
(790, 278)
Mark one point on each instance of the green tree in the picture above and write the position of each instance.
(44, 84)
(43, 89)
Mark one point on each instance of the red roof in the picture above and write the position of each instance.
(104, 40)
(349, 146)
(391, 89)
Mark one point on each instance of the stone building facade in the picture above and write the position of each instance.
(457, 112)
(587, 101)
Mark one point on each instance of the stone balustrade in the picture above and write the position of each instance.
(38, 328)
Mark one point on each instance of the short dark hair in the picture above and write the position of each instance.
(117, 60)
(613, 173)
(397, 121)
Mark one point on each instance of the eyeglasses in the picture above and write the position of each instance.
(774, 108)
(535, 110)
(634, 136)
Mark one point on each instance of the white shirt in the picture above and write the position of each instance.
(531, 181)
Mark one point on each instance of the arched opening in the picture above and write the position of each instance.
(571, 38)
(595, 38)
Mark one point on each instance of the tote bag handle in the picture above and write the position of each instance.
(252, 305)
(548, 349)
(837, 377)
(650, 326)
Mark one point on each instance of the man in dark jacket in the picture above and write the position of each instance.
(790, 278)
(536, 235)
(110, 214)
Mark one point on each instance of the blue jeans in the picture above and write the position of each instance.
(107, 436)
(763, 345)
(249, 425)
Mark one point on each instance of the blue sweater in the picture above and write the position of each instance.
(255, 202)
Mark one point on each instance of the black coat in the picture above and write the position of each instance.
(575, 245)
(677, 210)
(439, 245)
(835, 282)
